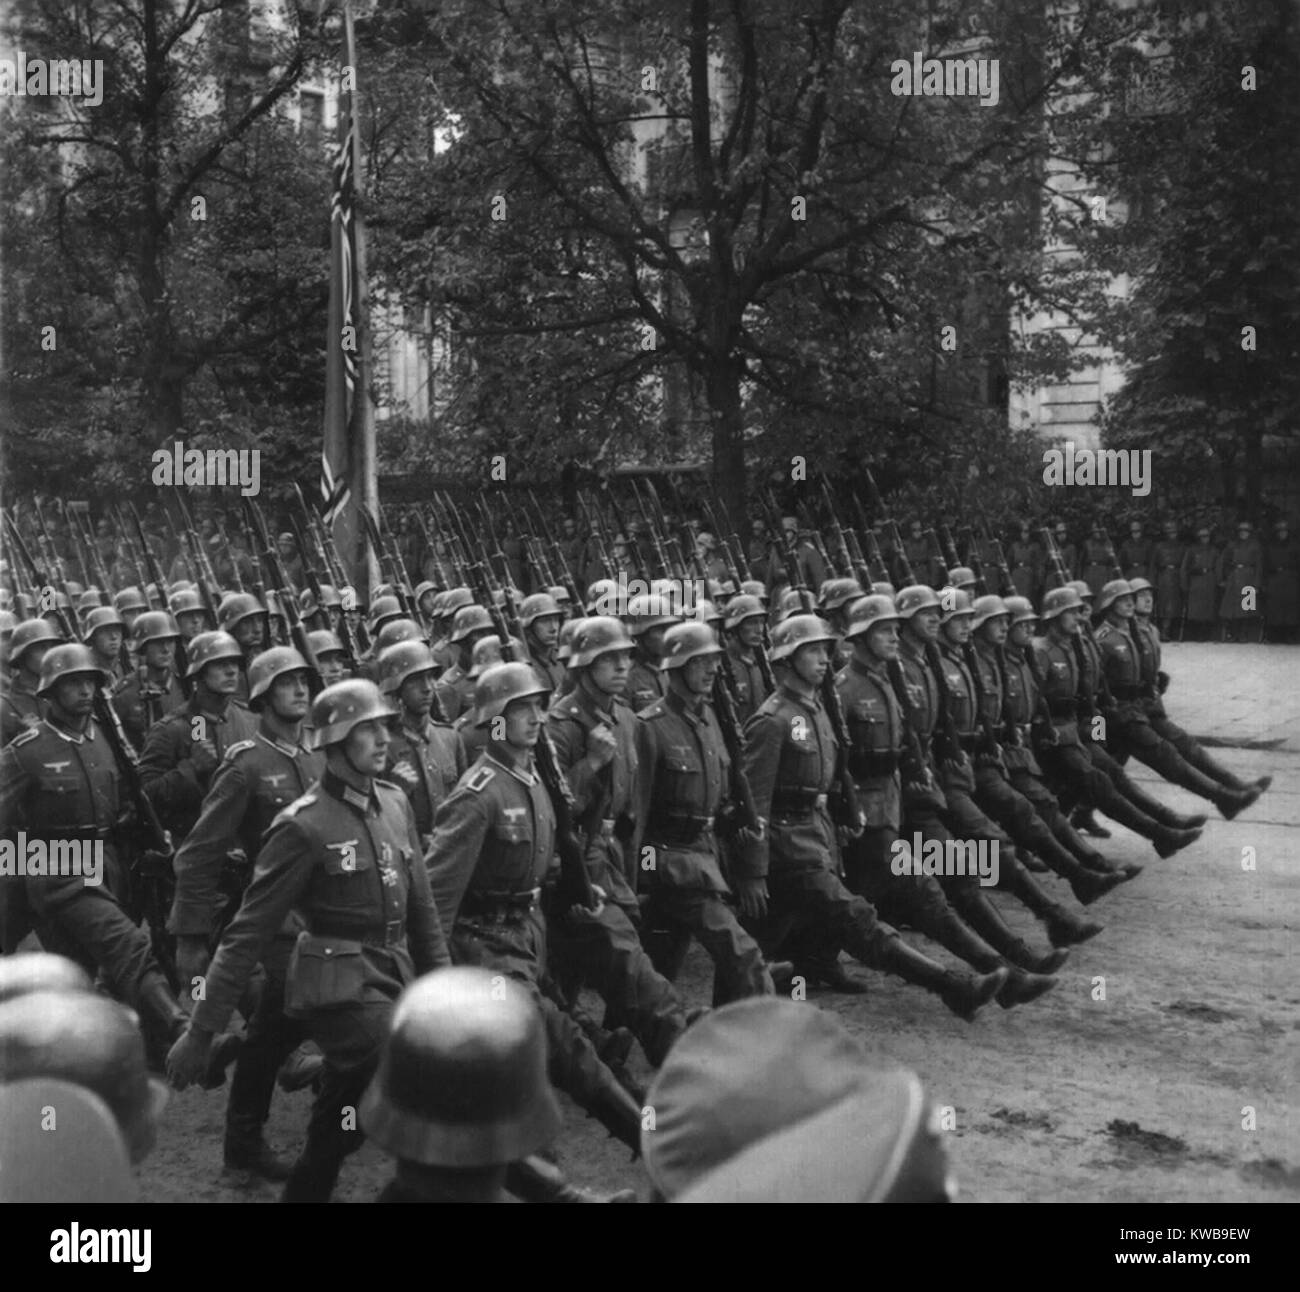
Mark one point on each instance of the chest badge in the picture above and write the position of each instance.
(347, 850)
(57, 767)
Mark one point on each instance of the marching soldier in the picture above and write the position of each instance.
(684, 775)
(184, 749)
(425, 757)
(743, 623)
(129, 603)
(103, 632)
(595, 741)
(247, 620)
(257, 779)
(491, 854)
(540, 617)
(455, 689)
(152, 690)
(346, 857)
(59, 780)
(190, 614)
(650, 619)
(812, 569)
(20, 707)
(331, 658)
(1130, 731)
(318, 614)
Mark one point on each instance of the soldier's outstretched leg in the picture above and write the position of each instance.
(982, 915)
(351, 1039)
(1196, 754)
(1132, 795)
(739, 967)
(965, 994)
(1064, 928)
(1016, 815)
(1045, 803)
(1139, 740)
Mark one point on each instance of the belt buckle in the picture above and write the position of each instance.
(819, 803)
(393, 930)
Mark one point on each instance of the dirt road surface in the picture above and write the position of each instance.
(1164, 1067)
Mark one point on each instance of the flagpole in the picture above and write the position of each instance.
(364, 473)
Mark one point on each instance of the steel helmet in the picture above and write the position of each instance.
(329, 600)
(799, 630)
(89, 600)
(720, 589)
(435, 606)
(1082, 587)
(270, 664)
(595, 637)
(1021, 610)
(91, 1041)
(706, 612)
(453, 599)
(1060, 599)
(560, 596)
(961, 576)
(40, 971)
(24, 606)
(538, 606)
(8, 621)
(208, 648)
(397, 630)
(339, 708)
(130, 599)
(987, 607)
(1112, 592)
(383, 609)
(74, 588)
(867, 612)
(499, 685)
(421, 589)
(462, 1078)
(791, 602)
(236, 606)
(1140, 585)
(754, 588)
(882, 589)
(153, 626)
(601, 596)
(954, 603)
(186, 601)
(564, 642)
(485, 653)
(916, 598)
(401, 661)
(30, 633)
(838, 592)
(743, 606)
(685, 642)
(324, 642)
(64, 661)
(647, 612)
(102, 617)
(469, 619)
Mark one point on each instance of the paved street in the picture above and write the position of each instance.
(1139, 1096)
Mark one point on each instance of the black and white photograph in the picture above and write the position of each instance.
(650, 601)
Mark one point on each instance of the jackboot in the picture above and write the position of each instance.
(965, 994)
(615, 1109)
(984, 917)
(1232, 802)
(1170, 841)
(1089, 887)
(534, 1179)
(1064, 929)
(1023, 987)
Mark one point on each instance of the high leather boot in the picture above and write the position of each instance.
(1231, 802)
(964, 994)
(1089, 887)
(1085, 823)
(1064, 929)
(616, 1110)
(959, 938)
(534, 1179)
(984, 917)
(1170, 841)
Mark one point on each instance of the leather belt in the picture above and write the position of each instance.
(1128, 692)
(499, 908)
(678, 831)
(790, 800)
(394, 933)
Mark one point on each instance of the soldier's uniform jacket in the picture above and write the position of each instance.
(1146, 637)
(1021, 709)
(789, 760)
(683, 778)
(426, 763)
(63, 785)
(1168, 576)
(1096, 564)
(548, 668)
(1059, 671)
(645, 683)
(925, 699)
(1136, 557)
(349, 864)
(455, 693)
(603, 801)
(167, 771)
(1241, 566)
(474, 739)
(876, 731)
(1121, 664)
(444, 653)
(493, 840)
(961, 698)
(20, 708)
(990, 680)
(1200, 582)
(256, 781)
(748, 677)
(140, 702)
(1069, 559)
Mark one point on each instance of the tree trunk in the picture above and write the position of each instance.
(722, 386)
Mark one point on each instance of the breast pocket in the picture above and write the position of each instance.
(56, 800)
(682, 781)
(324, 973)
(344, 859)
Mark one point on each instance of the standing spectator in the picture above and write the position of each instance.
(1069, 553)
(758, 552)
(1025, 557)
(1096, 559)
(1281, 597)
(1200, 584)
(1241, 568)
(1137, 553)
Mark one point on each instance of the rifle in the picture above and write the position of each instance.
(270, 561)
(343, 628)
(937, 560)
(387, 564)
(841, 542)
(568, 579)
(124, 534)
(201, 561)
